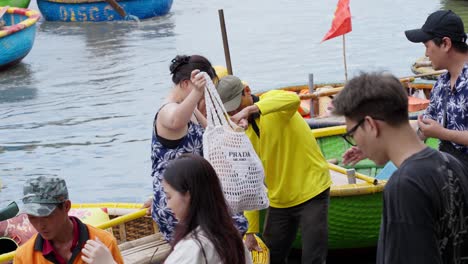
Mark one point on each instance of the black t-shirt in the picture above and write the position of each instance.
(425, 213)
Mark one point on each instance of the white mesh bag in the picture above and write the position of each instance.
(232, 156)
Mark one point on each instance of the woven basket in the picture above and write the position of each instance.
(134, 229)
(261, 257)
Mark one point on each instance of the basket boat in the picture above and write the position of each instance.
(355, 210)
(100, 10)
(17, 36)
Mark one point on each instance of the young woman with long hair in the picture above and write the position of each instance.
(205, 232)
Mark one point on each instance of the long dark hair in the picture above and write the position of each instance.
(208, 209)
(182, 66)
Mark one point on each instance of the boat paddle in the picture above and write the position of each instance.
(119, 9)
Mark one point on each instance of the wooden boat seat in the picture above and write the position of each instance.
(149, 249)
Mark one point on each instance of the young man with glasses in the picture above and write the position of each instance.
(425, 202)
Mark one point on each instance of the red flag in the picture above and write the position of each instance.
(341, 22)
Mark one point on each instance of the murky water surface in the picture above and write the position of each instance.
(81, 104)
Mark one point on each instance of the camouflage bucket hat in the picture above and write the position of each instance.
(42, 194)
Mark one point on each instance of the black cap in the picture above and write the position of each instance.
(442, 23)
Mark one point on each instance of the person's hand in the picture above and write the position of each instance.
(353, 156)
(330, 107)
(429, 127)
(95, 252)
(243, 123)
(244, 114)
(148, 204)
(251, 243)
(198, 80)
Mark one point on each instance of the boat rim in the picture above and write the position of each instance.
(347, 189)
(81, 1)
(33, 17)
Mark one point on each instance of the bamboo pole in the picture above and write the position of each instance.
(7, 256)
(227, 54)
(3, 10)
(412, 77)
(123, 219)
(336, 90)
(360, 176)
(344, 59)
(321, 93)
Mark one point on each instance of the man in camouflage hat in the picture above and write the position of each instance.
(61, 238)
(42, 195)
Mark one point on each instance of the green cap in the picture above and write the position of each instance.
(230, 90)
(42, 194)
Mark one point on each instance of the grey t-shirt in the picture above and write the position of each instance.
(425, 213)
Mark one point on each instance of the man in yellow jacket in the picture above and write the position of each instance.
(60, 238)
(296, 173)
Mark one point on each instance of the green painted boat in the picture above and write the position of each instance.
(355, 209)
(15, 3)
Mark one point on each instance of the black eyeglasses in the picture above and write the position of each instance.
(349, 136)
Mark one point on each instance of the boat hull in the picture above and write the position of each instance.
(98, 11)
(17, 40)
(354, 220)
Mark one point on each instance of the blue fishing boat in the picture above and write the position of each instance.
(17, 36)
(101, 10)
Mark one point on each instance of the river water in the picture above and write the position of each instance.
(81, 104)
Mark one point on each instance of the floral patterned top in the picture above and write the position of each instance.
(160, 157)
(455, 102)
